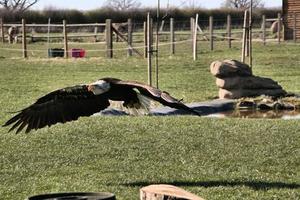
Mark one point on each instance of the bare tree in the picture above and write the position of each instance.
(122, 4)
(17, 5)
(242, 4)
(192, 4)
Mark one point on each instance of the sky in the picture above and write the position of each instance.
(92, 4)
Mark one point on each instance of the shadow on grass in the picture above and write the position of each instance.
(256, 185)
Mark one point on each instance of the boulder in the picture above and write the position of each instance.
(235, 80)
(248, 82)
(239, 93)
(229, 68)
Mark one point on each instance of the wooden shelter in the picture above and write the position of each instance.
(291, 19)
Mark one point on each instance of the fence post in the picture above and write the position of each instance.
(245, 33)
(149, 48)
(66, 48)
(263, 27)
(211, 32)
(229, 30)
(192, 24)
(24, 45)
(32, 34)
(129, 22)
(145, 40)
(2, 30)
(279, 28)
(195, 46)
(295, 27)
(95, 32)
(172, 36)
(109, 39)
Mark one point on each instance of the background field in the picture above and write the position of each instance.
(214, 158)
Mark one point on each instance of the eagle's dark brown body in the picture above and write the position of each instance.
(70, 103)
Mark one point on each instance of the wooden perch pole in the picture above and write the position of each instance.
(250, 34)
(149, 48)
(195, 49)
(24, 44)
(245, 33)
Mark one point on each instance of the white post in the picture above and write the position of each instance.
(195, 49)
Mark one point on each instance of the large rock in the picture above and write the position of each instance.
(248, 82)
(239, 93)
(229, 68)
(235, 80)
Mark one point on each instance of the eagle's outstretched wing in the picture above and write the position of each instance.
(161, 96)
(61, 105)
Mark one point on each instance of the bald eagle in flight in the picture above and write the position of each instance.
(70, 103)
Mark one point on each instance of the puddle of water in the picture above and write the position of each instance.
(270, 114)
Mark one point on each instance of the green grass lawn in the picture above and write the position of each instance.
(213, 158)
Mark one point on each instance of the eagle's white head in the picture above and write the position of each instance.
(99, 87)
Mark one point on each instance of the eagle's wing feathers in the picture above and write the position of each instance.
(62, 105)
(158, 95)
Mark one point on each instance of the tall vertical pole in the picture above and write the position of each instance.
(2, 30)
(129, 22)
(48, 36)
(295, 27)
(95, 32)
(66, 48)
(263, 26)
(149, 48)
(172, 36)
(192, 24)
(145, 40)
(245, 31)
(211, 32)
(157, 41)
(279, 28)
(229, 30)
(24, 44)
(195, 46)
(108, 38)
(250, 33)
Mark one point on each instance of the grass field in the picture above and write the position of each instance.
(213, 158)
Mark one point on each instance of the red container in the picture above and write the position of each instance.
(78, 53)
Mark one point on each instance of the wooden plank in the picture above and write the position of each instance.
(55, 25)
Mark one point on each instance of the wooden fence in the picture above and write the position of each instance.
(110, 28)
